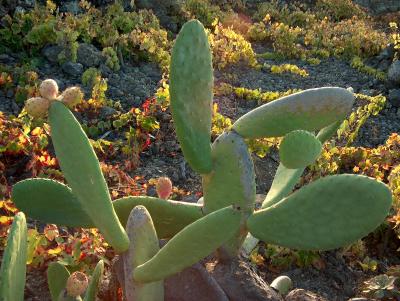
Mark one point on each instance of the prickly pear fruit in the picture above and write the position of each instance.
(299, 149)
(77, 284)
(164, 188)
(71, 97)
(37, 107)
(49, 89)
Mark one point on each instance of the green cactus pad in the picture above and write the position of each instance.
(328, 132)
(94, 283)
(299, 149)
(326, 214)
(284, 181)
(308, 110)
(191, 91)
(51, 202)
(232, 181)
(81, 168)
(57, 276)
(143, 246)
(169, 217)
(13, 264)
(192, 244)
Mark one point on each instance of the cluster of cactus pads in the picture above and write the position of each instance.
(331, 212)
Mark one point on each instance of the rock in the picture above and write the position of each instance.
(6, 59)
(10, 93)
(89, 55)
(380, 6)
(387, 53)
(303, 295)
(384, 65)
(70, 7)
(394, 97)
(51, 53)
(72, 69)
(359, 299)
(394, 72)
(106, 112)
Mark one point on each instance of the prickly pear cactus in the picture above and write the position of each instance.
(326, 214)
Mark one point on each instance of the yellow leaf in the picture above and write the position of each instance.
(54, 251)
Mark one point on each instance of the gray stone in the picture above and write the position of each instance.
(51, 53)
(359, 299)
(72, 69)
(394, 97)
(70, 7)
(303, 295)
(6, 59)
(89, 55)
(10, 93)
(394, 72)
(106, 112)
(380, 6)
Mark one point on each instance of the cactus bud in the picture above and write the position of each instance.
(77, 284)
(37, 107)
(71, 96)
(164, 187)
(49, 89)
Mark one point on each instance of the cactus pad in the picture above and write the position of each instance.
(51, 202)
(57, 276)
(169, 217)
(329, 213)
(143, 246)
(94, 283)
(191, 90)
(232, 180)
(192, 244)
(13, 264)
(299, 149)
(284, 181)
(81, 168)
(308, 110)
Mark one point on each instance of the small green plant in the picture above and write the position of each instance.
(288, 68)
(358, 64)
(326, 214)
(112, 61)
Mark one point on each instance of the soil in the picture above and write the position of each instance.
(336, 280)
